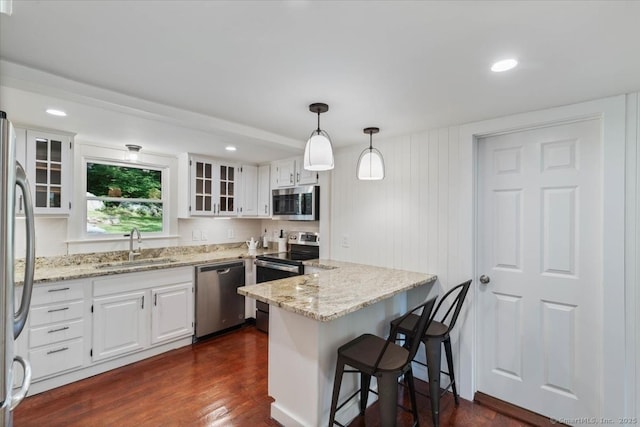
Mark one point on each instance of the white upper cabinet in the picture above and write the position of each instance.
(284, 172)
(248, 183)
(48, 166)
(207, 187)
(291, 172)
(264, 190)
(303, 176)
(226, 174)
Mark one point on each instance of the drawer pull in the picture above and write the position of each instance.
(58, 290)
(58, 350)
(64, 328)
(57, 309)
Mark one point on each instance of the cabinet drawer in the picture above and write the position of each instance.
(52, 334)
(56, 313)
(56, 358)
(56, 293)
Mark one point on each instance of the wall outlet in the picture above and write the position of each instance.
(345, 240)
(230, 233)
(195, 235)
(203, 235)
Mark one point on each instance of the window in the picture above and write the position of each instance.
(122, 197)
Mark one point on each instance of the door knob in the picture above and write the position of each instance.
(484, 279)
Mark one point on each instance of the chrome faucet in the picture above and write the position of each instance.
(133, 254)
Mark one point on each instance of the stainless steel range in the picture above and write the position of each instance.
(302, 246)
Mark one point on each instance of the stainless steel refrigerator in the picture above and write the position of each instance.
(12, 321)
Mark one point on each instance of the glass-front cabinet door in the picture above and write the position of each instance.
(48, 169)
(212, 187)
(202, 179)
(227, 195)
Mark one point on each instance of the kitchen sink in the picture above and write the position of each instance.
(134, 263)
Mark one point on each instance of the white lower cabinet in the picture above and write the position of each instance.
(80, 328)
(55, 330)
(172, 312)
(119, 325)
(134, 311)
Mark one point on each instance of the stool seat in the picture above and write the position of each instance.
(435, 329)
(362, 353)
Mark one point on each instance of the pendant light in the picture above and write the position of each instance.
(318, 153)
(370, 163)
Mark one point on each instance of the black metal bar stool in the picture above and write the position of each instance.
(371, 355)
(436, 333)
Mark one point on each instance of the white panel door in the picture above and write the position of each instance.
(249, 196)
(119, 325)
(172, 312)
(540, 243)
(264, 190)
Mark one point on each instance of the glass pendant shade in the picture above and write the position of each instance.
(318, 153)
(370, 165)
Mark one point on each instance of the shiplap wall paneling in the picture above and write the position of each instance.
(408, 220)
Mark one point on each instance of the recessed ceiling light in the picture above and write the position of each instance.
(230, 148)
(504, 65)
(55, 112)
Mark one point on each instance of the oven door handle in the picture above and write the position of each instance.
(276, 266)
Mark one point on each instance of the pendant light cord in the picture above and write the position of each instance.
(318, 123)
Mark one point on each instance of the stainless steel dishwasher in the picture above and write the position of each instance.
(218, 305)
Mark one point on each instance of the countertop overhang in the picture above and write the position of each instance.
(339, 289)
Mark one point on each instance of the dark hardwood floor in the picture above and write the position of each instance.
(218, 382)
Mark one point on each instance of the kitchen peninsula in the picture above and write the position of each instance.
(312, 315)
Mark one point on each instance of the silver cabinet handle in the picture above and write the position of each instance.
(142, 306)
(155, 299)
(53, 310)
(291, 178)
(64, 328)
(58, 290)
(298, 177)
(265, 208)
(58, 350)
(20, 203)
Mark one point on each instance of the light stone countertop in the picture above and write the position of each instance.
(341, 288)
(53, 269)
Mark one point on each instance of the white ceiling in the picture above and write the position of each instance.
(195, 75)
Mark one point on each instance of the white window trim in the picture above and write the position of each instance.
(77, 237)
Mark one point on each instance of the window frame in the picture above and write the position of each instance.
(164, 176)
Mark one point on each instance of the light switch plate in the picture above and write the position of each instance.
(345, 240)
(195, 235)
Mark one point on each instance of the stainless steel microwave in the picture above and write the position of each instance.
(297, 203)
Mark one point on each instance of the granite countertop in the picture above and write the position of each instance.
(52, 269)
(341, 288)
